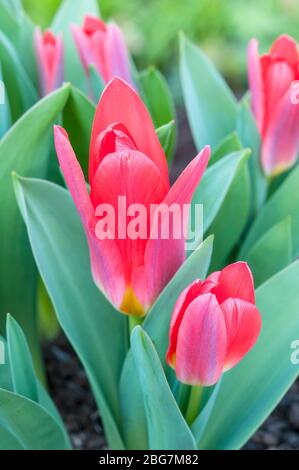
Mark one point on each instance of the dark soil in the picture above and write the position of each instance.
(72, 395)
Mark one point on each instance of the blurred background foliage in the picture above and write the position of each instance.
(221, 27)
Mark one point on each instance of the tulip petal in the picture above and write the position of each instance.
(131, 174)
(256, 83)
(281, 141)
(165, 254)
(185, 298)
(92, 24)
(120, 103)
(211, 282)
(285, 47)
(58, 69)
(83, 44)
(236, 281)
(202, 343)
(117, 55)
(277, 78)
(106, 262)
(243, 325)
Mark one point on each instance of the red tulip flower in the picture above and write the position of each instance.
(271, 77)
(103, 46)
(127, 160)
(214, 324)
(49, 55)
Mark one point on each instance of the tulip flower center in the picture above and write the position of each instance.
(131, 304)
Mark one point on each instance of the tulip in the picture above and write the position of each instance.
(103, 46)
(214, 324)
(49, 55)
(271, 77)
(126, 160)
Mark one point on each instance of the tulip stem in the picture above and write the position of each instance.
(134, 321)
(194, 404)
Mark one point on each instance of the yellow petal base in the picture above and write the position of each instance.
(131, 305)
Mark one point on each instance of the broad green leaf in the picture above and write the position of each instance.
(250, 137)
(211, 106)
(88, 319)
(23, 149)
(282, 204)
(23, 379)
(8, 441)
(96, 82)
(231, 143)
(5, 376)
(20, 91)
(21, 366)
(5, 121)
(250, 391)
(167, 428)
(25, 47)
(156, 325)
(78, 117)
(272, 252)
(232, 217)
(30, 424)
(166, 134)
(216, 183)
(73, 12)
(156, 96)
(8, 22)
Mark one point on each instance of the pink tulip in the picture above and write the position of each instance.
(103, 46)
(49, 55)
(126, 159)
(271, 77)
(214, 324)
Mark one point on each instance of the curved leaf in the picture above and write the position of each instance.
(167, 428)
(211, 106)
(95, 329)
(24, 149)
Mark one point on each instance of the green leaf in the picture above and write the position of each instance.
(30, 425)
(225, 194)
(166, 136)
(8, 22)
(73, 12)
(156, 325)
(20, 91)
(78, 117)
(5, 376)
(156, 96)
(88, 319)
(167, 428)
(281, 205)
(21, 366)
(231, 143)
(96, 82)
(24, 149)
(272, 252)
(216, 183)
(249, 135)
(8, 441)
(5, 121)
(250, 391)
(211, 106)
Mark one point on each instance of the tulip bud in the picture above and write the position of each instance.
(274, 104)
(49, 55)
(103, 46)
(214, 324)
